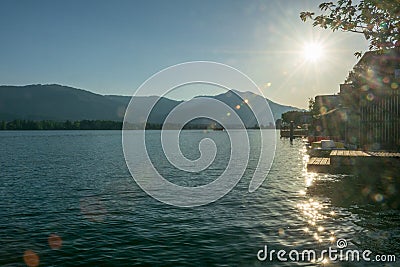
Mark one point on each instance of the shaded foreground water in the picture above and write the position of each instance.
(67, 199)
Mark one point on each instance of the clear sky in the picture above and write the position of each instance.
(112, 47)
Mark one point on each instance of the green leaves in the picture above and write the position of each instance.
(377, 20)
(326, 6)
(358, 54)
(306, 15)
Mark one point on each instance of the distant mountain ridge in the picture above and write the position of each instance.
(60, 103)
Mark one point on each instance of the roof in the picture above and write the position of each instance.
(380, 57)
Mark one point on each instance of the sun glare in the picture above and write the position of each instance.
(312, 51)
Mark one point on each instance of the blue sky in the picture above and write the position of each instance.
(112, 47)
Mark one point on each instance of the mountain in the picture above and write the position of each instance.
(60, 103)
(56, 102)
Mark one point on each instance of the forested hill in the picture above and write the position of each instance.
(54, 102)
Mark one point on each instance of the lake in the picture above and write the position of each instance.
(68, 197)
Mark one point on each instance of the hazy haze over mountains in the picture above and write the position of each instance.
(60, 103)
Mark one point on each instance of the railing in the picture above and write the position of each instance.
(296, 133)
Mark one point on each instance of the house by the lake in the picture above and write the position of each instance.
(366, 111)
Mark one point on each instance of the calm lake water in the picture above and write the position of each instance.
(74, 187)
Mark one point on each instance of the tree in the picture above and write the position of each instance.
(298, 117)
(311, 104)
(377, 20)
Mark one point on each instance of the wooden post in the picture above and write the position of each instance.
(291, 132)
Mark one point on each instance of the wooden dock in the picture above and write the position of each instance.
(348, 153)
(343, 160)
(385, 154)
(354, 161)
(319, 164)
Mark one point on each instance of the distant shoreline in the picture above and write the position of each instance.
(49, 125)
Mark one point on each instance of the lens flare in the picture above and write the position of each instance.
(31, 259)
(55, 242)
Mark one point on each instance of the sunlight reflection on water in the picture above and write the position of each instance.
(74, 203)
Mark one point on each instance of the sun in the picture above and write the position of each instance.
(313, 51)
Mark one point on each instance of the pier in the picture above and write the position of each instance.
(354, 161)
(317, 164)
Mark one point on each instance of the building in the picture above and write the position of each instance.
(326, 102)
(366, 112)
(372, 97)
(327, 120)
